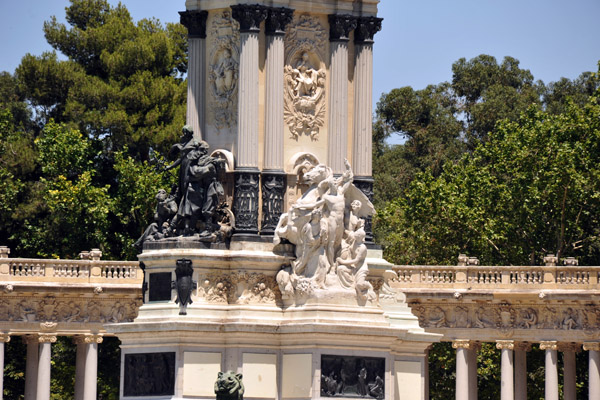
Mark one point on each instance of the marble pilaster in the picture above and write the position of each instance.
(593, 369)
(551, 370)
(195, 22)
(507, 371)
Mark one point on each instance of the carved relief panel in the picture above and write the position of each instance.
(304, 77)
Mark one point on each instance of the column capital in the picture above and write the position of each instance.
(340, 26)
(46, 338)
(569, 346)
(277, 19)
(249, 16)
(523, 346)
(30, 339)
(591, 346)
(549, 345)
(87, 339)
(195, 22)
(4, 337)
(505, 344)
(366, 28)
(465, 344)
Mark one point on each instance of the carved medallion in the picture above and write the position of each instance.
(304, 77)
(223, 70)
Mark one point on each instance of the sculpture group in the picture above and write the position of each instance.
(327, 226)
(194, 207)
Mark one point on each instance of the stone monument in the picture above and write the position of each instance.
(261, 262)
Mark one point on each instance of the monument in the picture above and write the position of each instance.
(261, 262)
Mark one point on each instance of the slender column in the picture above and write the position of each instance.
(91, 366)
(340, 27)
(31, 367)
(569, 373)
(195, 22)
(44, 365)
(594, 369)
(551, 371)
(520, 360)
(245, 202)
(79, 366)
(462, 368)
(472, 365)
(4, 338)
(507, 373)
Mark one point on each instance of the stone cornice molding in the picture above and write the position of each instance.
(549, 345)
(4, 337)
(249, 16)
(340, 26)
(195, 22)
(505, 344)
(46, 338)
(591, 346)
(366, 28)
(277, 20)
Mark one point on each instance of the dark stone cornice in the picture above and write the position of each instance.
(195, 22)
(340, 26)
(249, 16)
(366, 28)
(277, 20)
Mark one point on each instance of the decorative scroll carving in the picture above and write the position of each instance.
(366, 28)
(245, 201)
(273, 193)
(195, 22)
(223, 70)
(277, 19)
(249, 16)
(304, 77)
(340, 26)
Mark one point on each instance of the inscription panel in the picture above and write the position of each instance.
(160, 286)
(149, 374)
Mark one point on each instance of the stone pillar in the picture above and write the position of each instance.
(507, 372)
(594, 369)
(462, 368)
(90, 382)
(195, 22)
(340, 27)
(520, 360)
(31, 367)
(472, 362)
(4, 338)
(245, 197)
(569, 373)
(551, 371)
(79, 366)
(273, 177)
(44, 365)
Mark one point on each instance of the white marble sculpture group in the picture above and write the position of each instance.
(326, 224)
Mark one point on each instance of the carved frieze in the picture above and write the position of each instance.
(304, 77)
(223, 70)
(238, 288)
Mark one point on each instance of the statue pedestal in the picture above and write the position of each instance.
(238, 321)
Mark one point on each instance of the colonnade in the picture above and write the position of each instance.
(513, 382)
(38, 365)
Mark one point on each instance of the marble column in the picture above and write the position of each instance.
(4, 338)
(90, 382)
(79, 366)
(569, 373)
(551, 370)
(245, 197)
(340, 27)
(507, 372)
(31, 367)
(472, 365)
(195, 22)
(462, 368)
(273, 177)
(520, 360)
(44, 366)
(593, 369)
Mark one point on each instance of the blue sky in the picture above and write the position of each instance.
(419, 41)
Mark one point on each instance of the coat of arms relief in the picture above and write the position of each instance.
(304, 75)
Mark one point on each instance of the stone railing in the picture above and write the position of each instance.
(501, 277)
(90, 269)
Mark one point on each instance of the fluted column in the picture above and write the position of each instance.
(195, 22)
(507, 372)
(593, 369)
(273, 178)
(245, 202)
(44, 365)
(462, 368)
(31, 367)
(551, 371)
(4, 338)
(340, 27)
(520, 360)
